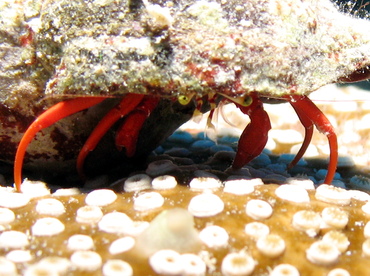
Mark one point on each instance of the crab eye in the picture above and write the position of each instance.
(247, 101)
(184, 99)
(244, 101)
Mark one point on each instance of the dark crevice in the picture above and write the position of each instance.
(135, 5)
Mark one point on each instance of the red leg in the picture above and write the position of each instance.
(46, 119)
(128, 132)
(308, 127)
(254, 137)
(313, 113)
(128, 103)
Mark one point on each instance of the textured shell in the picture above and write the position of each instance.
(273, 47)
(51, 50)
(170, 48)
(178, 47)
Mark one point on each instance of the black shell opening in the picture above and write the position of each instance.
(358, 75)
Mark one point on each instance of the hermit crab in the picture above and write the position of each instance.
(160, 61)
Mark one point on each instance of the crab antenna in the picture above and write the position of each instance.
(309, 110)
(46, 119)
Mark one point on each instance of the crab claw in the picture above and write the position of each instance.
(136, 108)
(46, 119)
(127, 104)
(254, 137)
(309, 114)
(128, 133)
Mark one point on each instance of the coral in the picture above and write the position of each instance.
(313, 236)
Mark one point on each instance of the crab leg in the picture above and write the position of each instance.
(128, 133)
(127, 104)
(254, 137)
(309, 110)
(46, 119)
(308, 127)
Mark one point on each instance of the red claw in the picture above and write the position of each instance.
(128, 133)
(127, 104)
(135, 107)
(254, 137)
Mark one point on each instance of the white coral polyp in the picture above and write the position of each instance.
(137, 183)
(47, 227)
(258, 209)
(80, 242)
(164, 182)
(50, 206)
(121, 245)
(13, 239)
(34, 188)
(192, 265)
(367, 230)
(148, 201)
(205, 183)
(13, 200)
(366, 208)
(101, 197)
(334, 217)
(167, 262)
(6, 216)
(19, 256)
(115, 222)
(284, 270)
(117, 268)
(271, 245)
(205, 205)
(59, 265)
(89, 214)
(322, 253)
(256, 230)
(331, 194)
(7, 267)
(237, 264)
(366, 248)
(308, 221)
(214, 236)
(292, 193)
(240, 186)
(37, 270)
(338, 272)
(339, 239)
(86, 260)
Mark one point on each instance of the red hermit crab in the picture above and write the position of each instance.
(168, 58)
